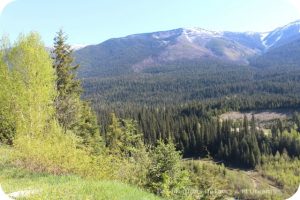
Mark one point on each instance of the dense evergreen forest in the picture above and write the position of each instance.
(190, 82)
(184, 104)
(198, 132)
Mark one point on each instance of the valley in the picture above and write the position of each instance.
(177, 84)
(181, 114)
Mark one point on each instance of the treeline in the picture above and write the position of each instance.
(198, 132)
(159, 116)
(188, 84)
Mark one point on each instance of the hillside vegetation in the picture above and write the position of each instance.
(66, 187)
(216, 179)
(52, 139)
(51, 130)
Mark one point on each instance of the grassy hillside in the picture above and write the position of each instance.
(70, 187)
(263, 183)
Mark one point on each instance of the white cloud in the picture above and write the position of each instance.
(4, 3)
(295, 3)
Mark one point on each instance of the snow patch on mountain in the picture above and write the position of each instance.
(163, 35)
(264, 35)
(78, 46)
(281, 35)
(192, 33)
(278, 38)
(189, 33)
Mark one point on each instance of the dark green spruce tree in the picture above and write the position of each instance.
(72, 113)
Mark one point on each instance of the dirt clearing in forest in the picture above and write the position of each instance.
(262, 115)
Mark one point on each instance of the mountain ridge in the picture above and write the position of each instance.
(137, 52)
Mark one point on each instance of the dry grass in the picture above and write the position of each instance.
(262, 115)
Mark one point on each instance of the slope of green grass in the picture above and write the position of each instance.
(51, 187)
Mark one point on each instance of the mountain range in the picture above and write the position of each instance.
(140, 52)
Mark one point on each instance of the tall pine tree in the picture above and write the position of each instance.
(68, 87)
(72, 113)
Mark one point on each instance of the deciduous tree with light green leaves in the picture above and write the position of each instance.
(27, 104)
(33, 89)
(7, 125)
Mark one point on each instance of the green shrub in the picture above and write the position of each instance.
(283, 170)
(58, 153)
(166, 175)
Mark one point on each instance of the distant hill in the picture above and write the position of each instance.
(282, 35)
(282, 57)
(136, 53)
(184, 47)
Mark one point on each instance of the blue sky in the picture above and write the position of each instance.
(93, 21)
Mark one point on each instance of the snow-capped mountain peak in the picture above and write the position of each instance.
(145, 50)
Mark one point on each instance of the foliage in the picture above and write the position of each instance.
(64, 187)
(54, 152)
(39, 141)
(208, 180)
(72, 113)
(124, 143)
(7, 125)
(123, 137)
(197, 131)
(33, 89)
(67, 100)
(181, 83)
(87, 129)
(283, 170)
(166, 175)
(53, 131)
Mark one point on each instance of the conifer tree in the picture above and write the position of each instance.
(87, 128)
(252, 125)
(246, 125)
(67, 102)
(72, 113)
(123, 137)
(114, 134)
(166, 175)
